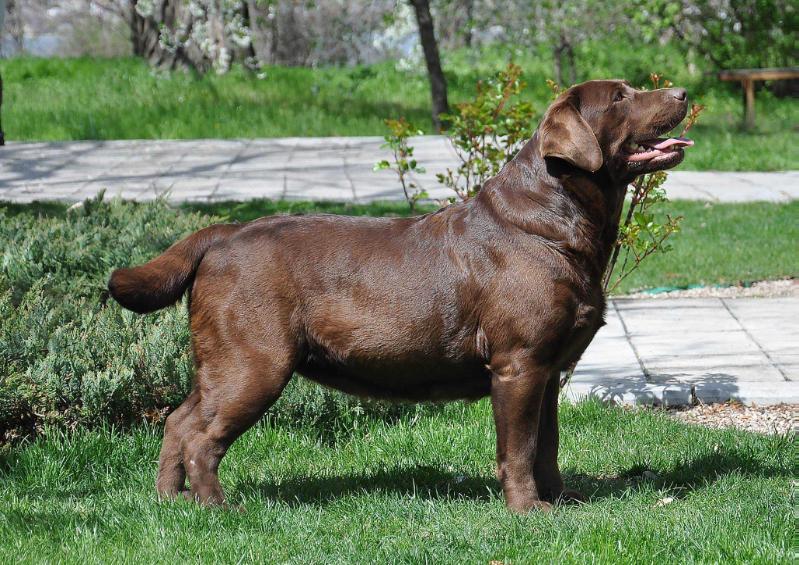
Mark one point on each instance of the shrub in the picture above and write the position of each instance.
(485, 133)
(488, 131)
(70, 356)
(404, 163)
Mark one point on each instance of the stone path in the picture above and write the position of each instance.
(290, 168)
(677, 351)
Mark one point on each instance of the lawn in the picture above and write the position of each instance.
(58, 99)
(417, 489)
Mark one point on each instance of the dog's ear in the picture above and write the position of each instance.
(564, 134)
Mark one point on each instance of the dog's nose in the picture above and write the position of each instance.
(679, 93)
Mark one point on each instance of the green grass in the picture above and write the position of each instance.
(722, 144)
(418, 490)
(72, 99)
(724, 244)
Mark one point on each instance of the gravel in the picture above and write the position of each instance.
(779, 419)
(761, 289)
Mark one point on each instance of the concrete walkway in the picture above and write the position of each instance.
(288, 168)
(678, 351)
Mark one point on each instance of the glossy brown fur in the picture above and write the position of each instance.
(492, 296)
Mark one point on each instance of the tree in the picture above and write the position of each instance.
(213, 34)
(728, 33)
(198, 34)
(566, 24)
(427, 36)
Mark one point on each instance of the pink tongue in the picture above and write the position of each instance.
(666, 143)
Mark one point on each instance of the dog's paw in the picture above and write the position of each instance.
(542, 506)
(170, 494)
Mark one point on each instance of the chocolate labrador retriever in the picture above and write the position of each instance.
(493, 296)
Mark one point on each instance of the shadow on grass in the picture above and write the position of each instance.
(435, 484)
(422, 481)
(681, 479)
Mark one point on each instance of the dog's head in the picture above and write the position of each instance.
(607, 123)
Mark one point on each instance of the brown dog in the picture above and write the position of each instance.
(492, 296)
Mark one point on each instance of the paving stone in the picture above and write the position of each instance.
(224, 195)
(630, 304)
(717, 372)
(646, 394)
(613, 325)
(731, 187)
(656, 321)
(764, 394)
(608, 359)
(689, 344)
(772, 323)
(791, 371)
(45, 164)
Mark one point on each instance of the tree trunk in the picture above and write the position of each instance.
(2, 20)
(16, 29)
(2, 133)
(469, 23)
(274, 37)
(171, 16)
(572, 64)
(564, 57)
(248, 56)
(145, 35)
(558, 64)
(438, 84)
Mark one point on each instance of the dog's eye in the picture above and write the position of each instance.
(618, 97)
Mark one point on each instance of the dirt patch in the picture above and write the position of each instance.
(761, 289)
(778, 419)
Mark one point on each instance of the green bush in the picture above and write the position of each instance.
(70, 356)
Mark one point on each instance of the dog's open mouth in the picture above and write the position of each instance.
(646, 150)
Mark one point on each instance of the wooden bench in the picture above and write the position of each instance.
(748, 77)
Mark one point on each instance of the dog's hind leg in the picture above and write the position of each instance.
(235, 391)
(171, 472)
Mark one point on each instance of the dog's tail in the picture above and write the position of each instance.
(162, 281)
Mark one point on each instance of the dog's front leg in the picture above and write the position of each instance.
(517, 393)
(547, 473)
